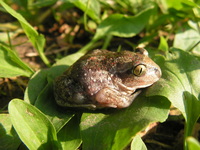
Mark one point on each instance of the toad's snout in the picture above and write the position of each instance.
(158, 72)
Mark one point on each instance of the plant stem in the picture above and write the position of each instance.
(88, 46)
(44, 59)
(107, 41)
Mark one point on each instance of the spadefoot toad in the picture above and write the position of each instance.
(103, 79)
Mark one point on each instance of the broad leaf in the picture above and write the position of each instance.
(115, 129)
(180, 84)
(46, 103)
(69, 59)
(33, 128)
(8, 137)
(138, 144)
(40, 93)
(11, 65)
(192, 110)
(186, 38)
(135, 6)
(180, 4)
(123, 26)
(180, 73)
(35, 85)
(69, 135)
(192, 144)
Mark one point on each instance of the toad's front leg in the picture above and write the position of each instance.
(108, 97)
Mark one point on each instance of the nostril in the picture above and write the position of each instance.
(158, 72)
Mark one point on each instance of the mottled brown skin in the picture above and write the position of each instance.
(103, 78)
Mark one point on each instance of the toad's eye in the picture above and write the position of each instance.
(139, 70)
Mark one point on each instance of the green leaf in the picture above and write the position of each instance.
(90, 7)
(193, 144)
(180, 84)
(11, 65)
(180, 73)
(69, 59)
(192, 105)
(46, 103)
(69, 135)
(138, 144)
(186, 38)
(163, 45)
(36, 39)
(8, 137)
(114, 129)
(33, 128)
(43, 98)
(37, 80)
(42, 3)
(180, 4)
(123, 26)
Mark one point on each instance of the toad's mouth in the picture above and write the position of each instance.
(136, 93)
(132, 90)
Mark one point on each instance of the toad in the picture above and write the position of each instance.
(102, 79)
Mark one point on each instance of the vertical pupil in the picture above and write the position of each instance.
(140, 70)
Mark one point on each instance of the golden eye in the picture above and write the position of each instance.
(139, 70)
